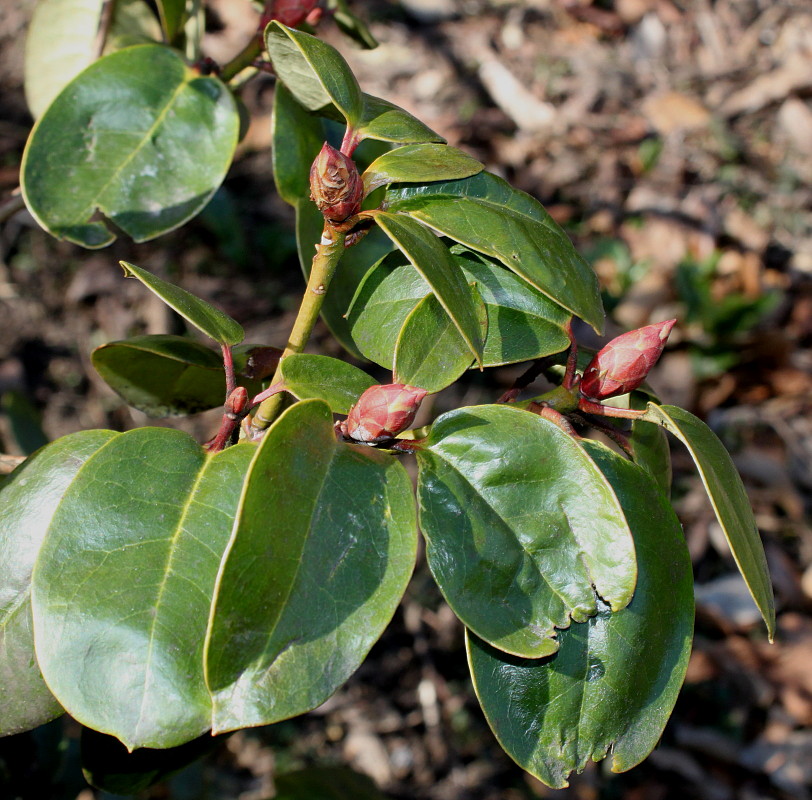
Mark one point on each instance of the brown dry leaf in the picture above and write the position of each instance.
(674, 111)
(794, 75)
(795, 120)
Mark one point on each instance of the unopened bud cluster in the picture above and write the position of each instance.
(623, 364)
(335, 185)
(382, 412)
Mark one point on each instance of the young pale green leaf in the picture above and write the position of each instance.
(520, 525)
(522, 323)
(728, 498)
(325, 783)
(387, 122)
(107, 765)
(485, 213)
(430, 352)
(123, 584)
(613, 683)
(431, 258)
(204, 316)
(315, 72)
(166, 376)
(419, 163)
(61, 42)
(323, 548)
(337, 383)
(28, 500)
(354, 264)
(297, 137)
(173, 17)
(138, 135)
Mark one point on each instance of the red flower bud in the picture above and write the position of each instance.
(382, 412)
(624, 363)
(335, 185)
(237, 401)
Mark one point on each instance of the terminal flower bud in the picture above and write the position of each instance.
(335, 185)
(292, 12)
(382, 412)
(623, 364)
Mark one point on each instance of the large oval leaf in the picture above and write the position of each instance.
(613, 683)
(419, 163)
(123, 584)
(728, 498)
(28, 500)
(323, 549)
(315, 72)
(165, 375)
(522, 323)
(337, 383)
(61, 42)
(386, 122)
(138, 135)
(431, 258)
(520, 525)
(204, 316)
(486, 214)
(430, 352)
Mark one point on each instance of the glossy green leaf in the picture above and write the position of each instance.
(354, 264)
(612, 685)
(486, 214)
(337, 383)
(325, 783)
(138, 135)
(61, 42)
(520, 525)
(431, 258)
(522, 323)
(107, 764)
(728, 498)
(315, 72)
(204, 316)
(28, 501)
(173, 17)
(323, 549)
(430, 352)
(297, 138)
(123, 584)
(387, 122)
(166, 376)
(419, 163)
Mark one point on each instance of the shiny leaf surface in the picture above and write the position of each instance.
(433, 261)
(204, 316)
(419, 163)
(430, 353)
(386, 122)
(123, 584)
(728, 498)
(315, 72)
(613, 683)
(337, 383)
(138, 135)
(322, 551)
(520, 525)
(28, 501)
(486, 214)
(165, 375)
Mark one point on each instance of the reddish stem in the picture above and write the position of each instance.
(350, 141)
(570, 378)
(591, 407)
(228, 366)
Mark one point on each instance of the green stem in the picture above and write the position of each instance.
(328, 253)
(243, 59)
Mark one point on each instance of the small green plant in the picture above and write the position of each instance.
(158, 589)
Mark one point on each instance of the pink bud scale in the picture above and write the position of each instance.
(382, 412)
